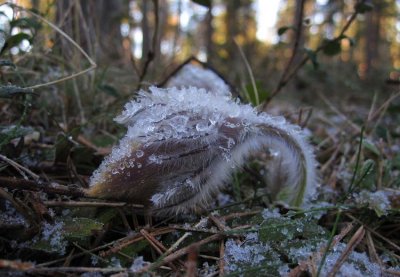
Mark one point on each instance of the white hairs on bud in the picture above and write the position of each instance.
(188, 143)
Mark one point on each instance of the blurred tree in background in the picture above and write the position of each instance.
(138, 43)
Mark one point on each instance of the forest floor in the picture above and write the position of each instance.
(350, 228)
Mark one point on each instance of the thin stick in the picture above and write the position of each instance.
(129, 240)
(150, 54)
(19, 167)
(181, 239)
(356, 128)
(14, 183)
(89, 204)
(183, 251)
(354, 241)
(221, 263)
(158, 246)
(48, 270)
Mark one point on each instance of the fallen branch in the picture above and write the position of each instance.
(23, 184)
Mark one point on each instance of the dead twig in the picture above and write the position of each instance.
(22, 184)
(90, 204)
(221, 263)
(388, 241)
(183, 251)
(354, 241)
(19, 167)
(152, 53)
(120, 244)
(158, 246)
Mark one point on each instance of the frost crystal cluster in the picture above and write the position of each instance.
(189, 75)
(182, 146)
(53, 233)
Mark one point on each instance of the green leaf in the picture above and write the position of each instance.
(110, 90)
(364, 7)
(313, 58)
(396, 162)
(369, 145)
(367, 175)
(332, 47)
(283, 30)
(80, 228)
(251, 93)
(63, 147)
(286, 229)
(25, 22)
(15, 40)
(107, 215)
(204, 3)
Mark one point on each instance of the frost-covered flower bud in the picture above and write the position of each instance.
(182, 146)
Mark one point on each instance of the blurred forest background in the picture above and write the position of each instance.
(67, 67)
(136, 42)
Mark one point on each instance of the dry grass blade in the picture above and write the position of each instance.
(356, 128)
(62, 33)
(221, 263)
(372, 250)
(388, 241)
(181, 239)
(354, 241)
(158, 246)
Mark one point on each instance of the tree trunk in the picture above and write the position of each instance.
(145, 30)
(372, 38)
(232, 7)
(298, 38)
(209, 34)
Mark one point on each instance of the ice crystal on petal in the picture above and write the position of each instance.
(139, 153)
(197, 76)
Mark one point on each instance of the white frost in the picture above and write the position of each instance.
(377, 200)
(138, 264)
(53, 233)
(199, 77)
